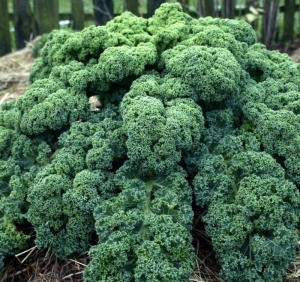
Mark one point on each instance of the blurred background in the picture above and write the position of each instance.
(277, 22)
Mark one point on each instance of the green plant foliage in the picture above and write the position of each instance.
(192, 112)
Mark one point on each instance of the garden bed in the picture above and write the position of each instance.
(42, 265)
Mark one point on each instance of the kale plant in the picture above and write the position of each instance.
(188, 109)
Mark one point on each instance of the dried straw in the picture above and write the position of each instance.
(14, 72)
(42, 265)
(296, 56)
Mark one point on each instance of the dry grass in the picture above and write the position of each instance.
(14, 72)
(35, 265)
(296, 56)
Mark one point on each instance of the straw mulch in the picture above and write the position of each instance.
(41, 265)
(296, 56)
(14, 72)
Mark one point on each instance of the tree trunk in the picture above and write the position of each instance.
(152, 5)
(270, 21)
(77, 14)
(46, 15)
(228, 9)
(206, 8)
(184, 4)
(104, 10)
(289, 12)
(132, 6)
(5, 45)
(23, 22)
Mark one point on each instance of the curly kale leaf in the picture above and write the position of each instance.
(212, 72)
(147, 224)
(254, 232)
